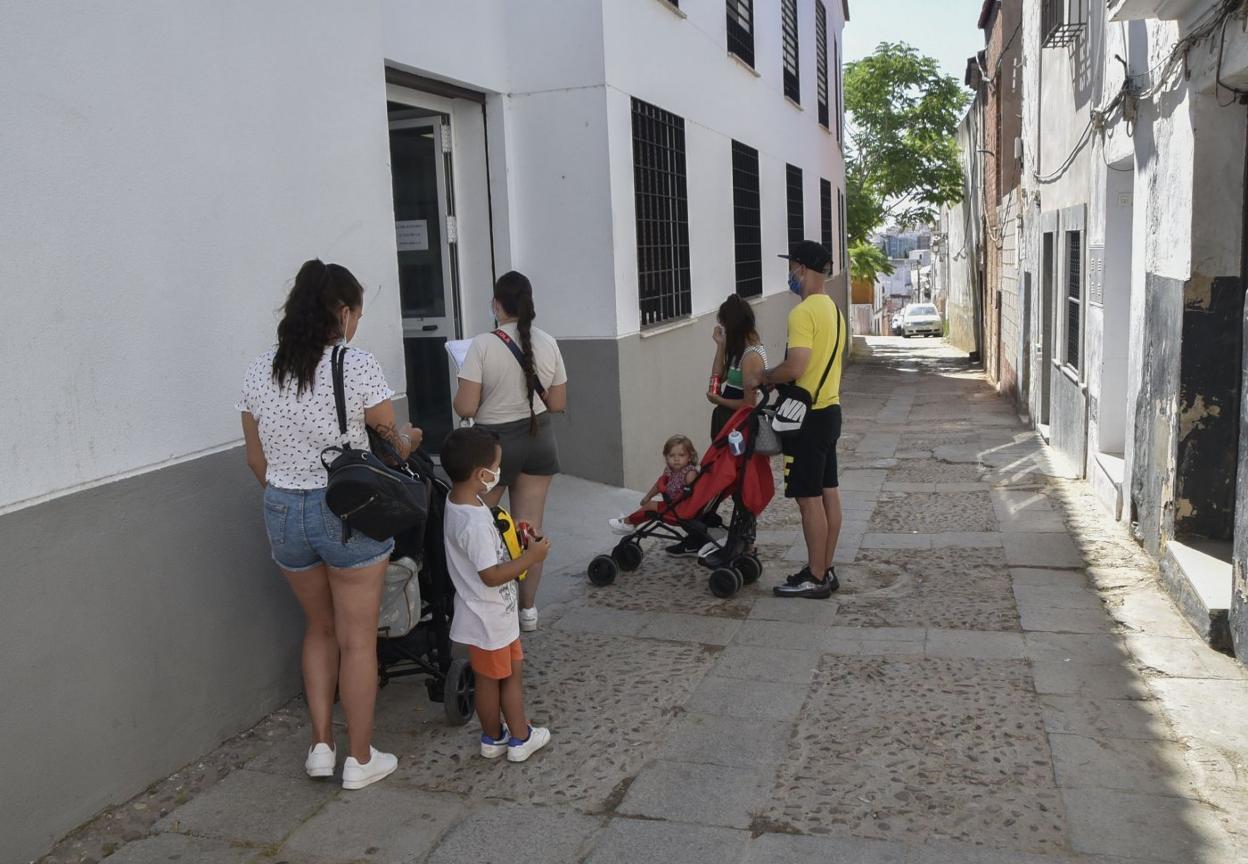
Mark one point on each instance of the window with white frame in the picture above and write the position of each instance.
(796, 210)
(747, 220)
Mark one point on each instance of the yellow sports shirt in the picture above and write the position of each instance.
(817, 324)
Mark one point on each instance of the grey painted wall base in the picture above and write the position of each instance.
(627, 396)
(142, 623)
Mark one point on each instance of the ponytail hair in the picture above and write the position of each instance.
(310, 320)
(514, 293)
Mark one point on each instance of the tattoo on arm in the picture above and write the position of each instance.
(401, 443)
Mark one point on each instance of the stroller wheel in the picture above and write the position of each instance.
(458, 695)
(725, 582)
(749, 567)
(603, 570)
(628, 555)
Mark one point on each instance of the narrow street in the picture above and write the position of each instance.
(1000, 679)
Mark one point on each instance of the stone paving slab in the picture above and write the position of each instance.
(1106, 718)
(1130, 765)
(776, 665)
(717, 739)
(1145, 827)
(506, 832)
(176, 848)
(797, 849)
(747, 699)
(1041, 550)
(386, 824)
(250, 807)
(629, 841)
(697, 794)
(1088, 680)
(689, 628)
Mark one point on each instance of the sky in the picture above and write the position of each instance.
(944, 29)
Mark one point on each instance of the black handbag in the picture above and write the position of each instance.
(368, 495)
(795, 402)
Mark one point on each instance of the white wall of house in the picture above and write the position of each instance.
(147, 280)
(720, 100)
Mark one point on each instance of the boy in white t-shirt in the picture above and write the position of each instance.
(485, 594)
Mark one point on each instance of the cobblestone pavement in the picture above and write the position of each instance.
(999, 680)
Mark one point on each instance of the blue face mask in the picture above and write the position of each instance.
(795, 284)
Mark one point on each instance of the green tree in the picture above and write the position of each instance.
(902, 161)
(867, 261)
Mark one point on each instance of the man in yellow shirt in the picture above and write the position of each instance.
(818, 337)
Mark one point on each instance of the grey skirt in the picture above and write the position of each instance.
(523, 453)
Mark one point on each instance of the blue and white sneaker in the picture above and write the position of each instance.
(492, 748)
(518, 751)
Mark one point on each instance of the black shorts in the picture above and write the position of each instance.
(523, 453)
(810, 458)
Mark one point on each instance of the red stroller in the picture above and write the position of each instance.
(745, 478)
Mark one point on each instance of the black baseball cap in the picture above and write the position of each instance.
(809, 254)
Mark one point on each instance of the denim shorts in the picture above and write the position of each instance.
(304, 533)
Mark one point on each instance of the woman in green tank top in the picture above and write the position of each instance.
(737, 348)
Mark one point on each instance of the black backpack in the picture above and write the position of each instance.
(367, 494)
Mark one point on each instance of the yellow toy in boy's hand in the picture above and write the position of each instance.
(511, 535)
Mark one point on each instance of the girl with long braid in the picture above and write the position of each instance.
(512, 380)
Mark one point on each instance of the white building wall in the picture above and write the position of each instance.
(147, 280)
(720, 100)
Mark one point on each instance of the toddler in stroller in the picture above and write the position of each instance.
(733, 468)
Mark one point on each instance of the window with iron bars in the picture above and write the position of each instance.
(793, 182)
(821, 62)
(788, 39)
(747, 220)
(741, 29)
(825, 218)
(1074, 295)
(840, 115)
(844, 237)
(662, 204)
(1062, 21)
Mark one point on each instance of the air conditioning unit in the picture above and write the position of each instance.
(1062, 22)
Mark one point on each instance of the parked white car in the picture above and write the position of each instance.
(921, 319)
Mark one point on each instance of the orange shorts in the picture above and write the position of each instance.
(495, 664)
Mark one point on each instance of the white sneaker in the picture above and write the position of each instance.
(518, 751)
(619, 525)
(528, 619)
(492, 748)
(379, 766)
(321, 761)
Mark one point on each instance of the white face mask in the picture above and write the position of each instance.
(494, 477)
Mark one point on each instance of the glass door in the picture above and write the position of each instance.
(424, 219)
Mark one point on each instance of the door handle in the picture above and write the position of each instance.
(429, 328)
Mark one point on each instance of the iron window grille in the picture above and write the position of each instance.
(788, 38)
(840, 114)
(821, 62)
(741, 29)
(1062, 22)
(662, 204)
(844, 237)
(793, 182)
(825, 216)
(747, 220)
(1074, 292)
